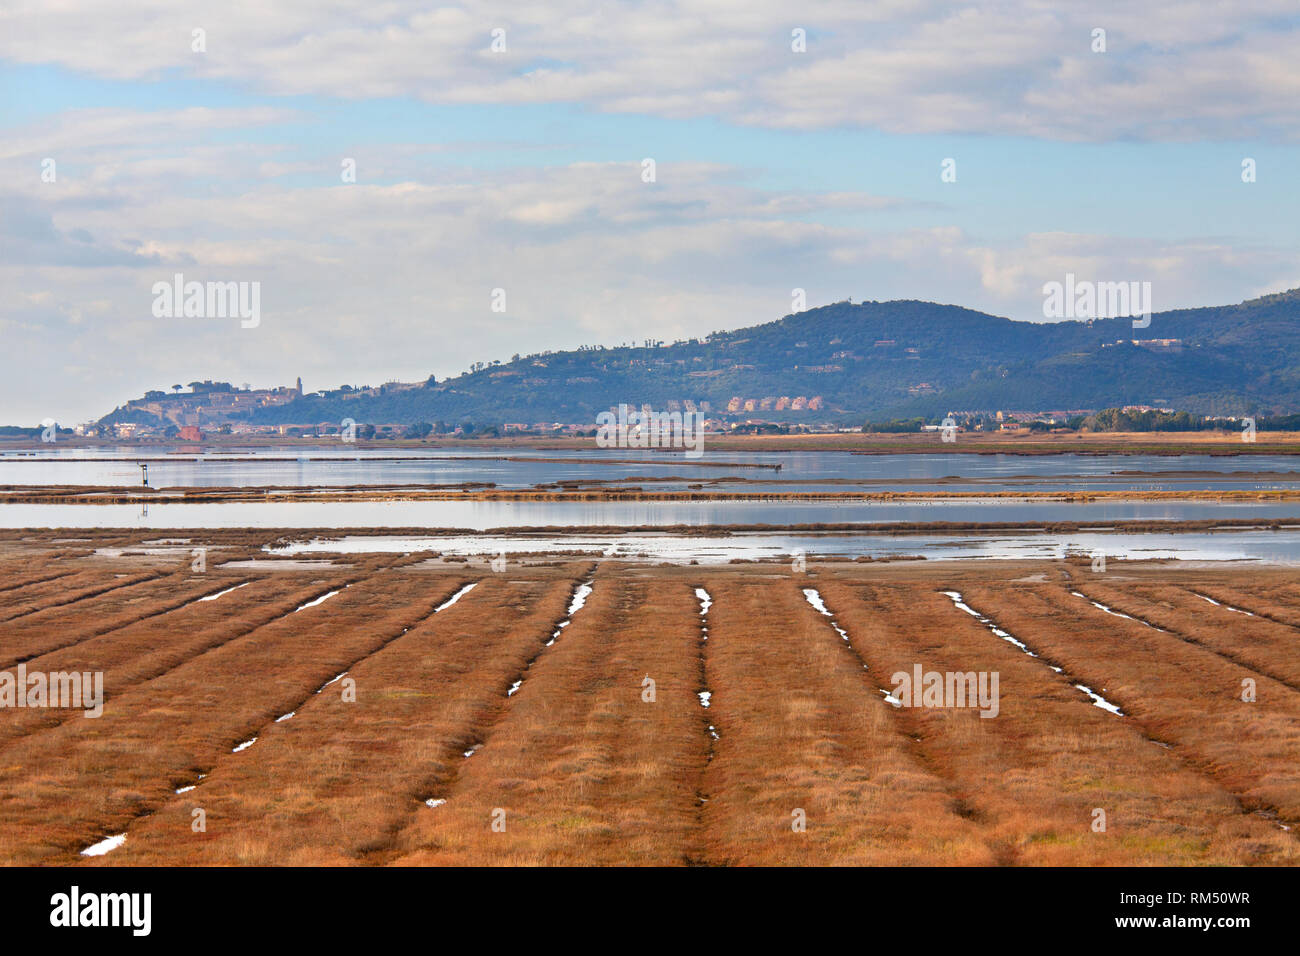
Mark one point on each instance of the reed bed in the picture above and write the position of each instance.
(797, 760)
(334, 783)
(1035, 774)
(1184, 696)
(580, 767)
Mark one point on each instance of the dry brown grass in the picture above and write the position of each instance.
(1257, 644)
(1035, 773)
(18, 577)
(583, 768)
(1183, 695)
(333, 784)
(52, 602)
(1276, 603)
(147, 647)
(803, 727)
(588, 773)
(73, 783)
(40, 633)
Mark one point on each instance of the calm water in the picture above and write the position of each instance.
(295, 467)
(349, 466)
(1274, 547)
(482, 515)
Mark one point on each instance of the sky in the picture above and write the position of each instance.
(416, 187)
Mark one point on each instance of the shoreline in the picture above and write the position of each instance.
(1017, 442)
(843, 529)
(250, 550)
(128, 495)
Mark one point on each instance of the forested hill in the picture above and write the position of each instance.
(877, 360)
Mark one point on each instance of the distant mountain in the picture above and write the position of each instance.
(878, 360)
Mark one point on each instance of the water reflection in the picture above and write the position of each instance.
(483, 515)
(1274, 547)
(335, 465)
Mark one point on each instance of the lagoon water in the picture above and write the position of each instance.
(484, 515)
(332, 465)
(337, 464)
(1273, 547)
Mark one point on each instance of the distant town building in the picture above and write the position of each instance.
(206, 403)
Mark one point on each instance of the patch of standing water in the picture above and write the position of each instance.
(320, 600)
(1097, 699)
(455, 597)
(815, 599)
(1275, 546)
(191, 786)
(706, 602)
(580, 595)
(103, 846)
(213, 597)
(579, 601)
(1206, 597)
(338, 677)
(706, 696)
(1126, 617)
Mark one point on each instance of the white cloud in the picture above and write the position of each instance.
(1173, 70)
(362, 283)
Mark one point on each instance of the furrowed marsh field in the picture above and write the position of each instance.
(601, 695)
